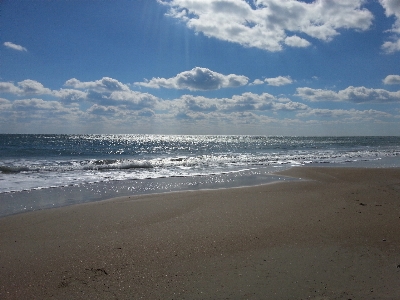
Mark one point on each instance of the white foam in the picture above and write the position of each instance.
(30, 173)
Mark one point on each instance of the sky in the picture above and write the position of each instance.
(255, 67)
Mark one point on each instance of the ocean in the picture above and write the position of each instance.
(40, 171)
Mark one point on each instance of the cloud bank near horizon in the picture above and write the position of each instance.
(116, 104)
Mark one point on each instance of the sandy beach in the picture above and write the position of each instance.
(333, 235)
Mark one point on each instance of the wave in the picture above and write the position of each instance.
(194, 162)
(65, 166)
(20, 175)
(111, 164)
(268, 159)
(13, 169)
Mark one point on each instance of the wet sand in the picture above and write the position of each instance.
(333, 236)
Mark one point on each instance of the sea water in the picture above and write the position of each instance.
(79, 168)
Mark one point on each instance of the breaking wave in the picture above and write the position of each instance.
(40, 161)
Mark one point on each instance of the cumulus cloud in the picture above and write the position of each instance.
(315, 95)
(190, 116)
(102, 85)
(295, 41)
(350, 94)
(14, 46)
(392, 79)
(132, 99)
(200, 104)
(238, 103)
(197, 79)
(4, 103)
(9, 87)
(70, 95)
(33, 87)
(257, 82)
(35, 104)
(105, 94)
(103, 110)
(118, 112)
(289, 106)
(338, 113)
(24, 87)
(278, 81)
(111, 103)
(268, 24)
(391, 47)
(392, 8)
(146, 112)
(129, 99)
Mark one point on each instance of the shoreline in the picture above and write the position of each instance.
(15, 202)
(12, 203)
(332, 236)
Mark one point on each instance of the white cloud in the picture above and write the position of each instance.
(39, 105)
(14, 46)
(391, 47)
(4, 103)
(267, 23)
(107, 91)
(245, 102)
(121, 113)
(200, 104)
(197, 79)
(29, 86)
(295, 41)
(340, 113)
(257, 82)
(392, 8)
(70, 95)
(105, 94)
(104, 84)
(146, 112)
(24, 87)
(350, 94)
(278, 81)
(133, 100)
(392, 79)
(8, 87)
(110, 105)
(289, 106)
(315, 95)
(103, 110)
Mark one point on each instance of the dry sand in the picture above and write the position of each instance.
(335, 236)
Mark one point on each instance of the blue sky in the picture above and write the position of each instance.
(264, 67)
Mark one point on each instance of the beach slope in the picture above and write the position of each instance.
(333, 235)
